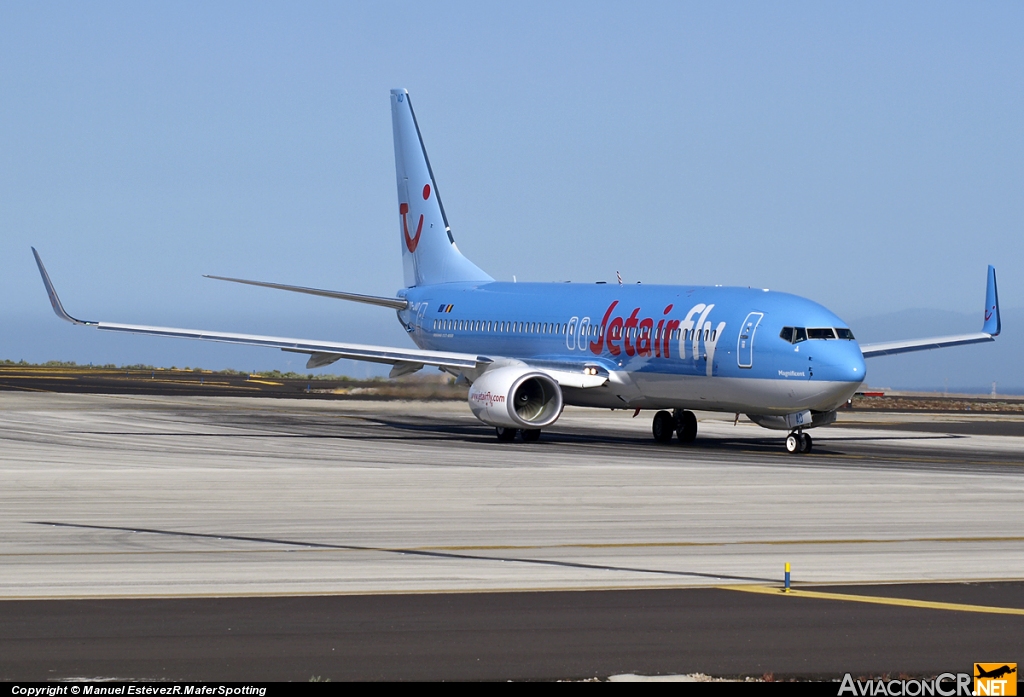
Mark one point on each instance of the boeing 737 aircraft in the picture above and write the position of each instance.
(528, 349)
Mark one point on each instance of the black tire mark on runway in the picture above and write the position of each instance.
(404, 552)
(473, 434)
(848, 451)
(828, 453)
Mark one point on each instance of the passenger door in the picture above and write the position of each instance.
(745, 343)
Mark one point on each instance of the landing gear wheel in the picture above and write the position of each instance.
(793, 443)
(686, 428)
(506, 435)
(531, 435)
(805, 443)
(663, 426)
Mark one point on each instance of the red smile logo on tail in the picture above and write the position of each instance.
(412, 242)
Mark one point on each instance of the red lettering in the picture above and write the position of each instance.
(614, 334)
(657, 338)
(597, 344)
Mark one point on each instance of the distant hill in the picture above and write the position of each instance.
(962, 369)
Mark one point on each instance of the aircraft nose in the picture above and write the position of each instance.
(845, 362)
(853, 366)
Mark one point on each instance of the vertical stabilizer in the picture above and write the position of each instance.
(429, 254)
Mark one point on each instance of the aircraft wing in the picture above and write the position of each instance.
(321, 352)
(568, 373)
(989, 331)
(890, 348)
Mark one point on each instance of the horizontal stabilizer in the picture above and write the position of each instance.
(394, 303)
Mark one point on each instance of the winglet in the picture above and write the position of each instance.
(54, 300)
(992, 323)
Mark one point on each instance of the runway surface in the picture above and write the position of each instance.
(197, 499)
(504, 636)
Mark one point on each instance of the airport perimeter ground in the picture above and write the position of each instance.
(240, 538)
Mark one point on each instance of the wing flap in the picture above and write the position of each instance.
(359, 352)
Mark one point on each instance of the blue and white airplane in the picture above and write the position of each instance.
(528, 349)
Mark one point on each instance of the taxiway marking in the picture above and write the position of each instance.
(877, 600)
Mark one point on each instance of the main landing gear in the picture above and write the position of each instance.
(681, 423)
(506, 435)
(798, 442)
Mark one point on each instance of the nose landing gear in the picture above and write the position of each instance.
(798, 442)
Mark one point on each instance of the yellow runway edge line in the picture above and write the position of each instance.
(877, 600)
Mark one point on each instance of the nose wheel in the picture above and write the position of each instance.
(798, 442)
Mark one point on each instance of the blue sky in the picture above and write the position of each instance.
(866, 155)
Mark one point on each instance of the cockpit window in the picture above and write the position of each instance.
(795, 335)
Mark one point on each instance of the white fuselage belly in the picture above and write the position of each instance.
(753, 395)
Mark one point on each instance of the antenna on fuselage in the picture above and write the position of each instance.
(618, 276)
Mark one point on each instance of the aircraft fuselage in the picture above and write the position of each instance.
(685, 347)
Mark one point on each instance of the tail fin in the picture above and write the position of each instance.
(429, 254)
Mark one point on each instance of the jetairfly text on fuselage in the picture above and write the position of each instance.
(634, 335)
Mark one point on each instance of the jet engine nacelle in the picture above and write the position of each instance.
(516, 397)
